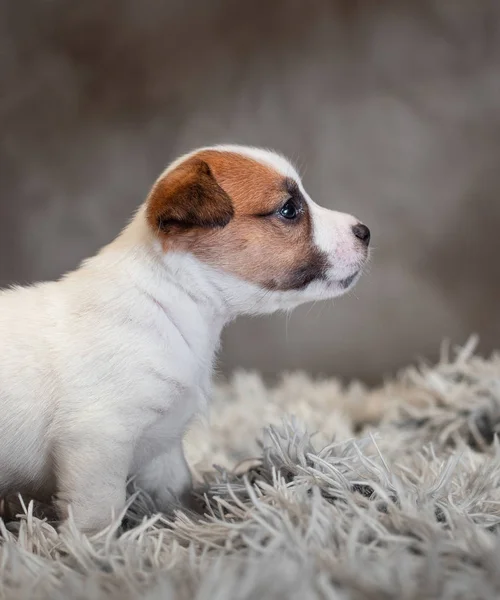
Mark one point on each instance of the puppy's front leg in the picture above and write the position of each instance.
(166, 479)
(91, 479)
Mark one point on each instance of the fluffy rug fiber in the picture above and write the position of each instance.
(311, 490)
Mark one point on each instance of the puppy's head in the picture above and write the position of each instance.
(244, 212)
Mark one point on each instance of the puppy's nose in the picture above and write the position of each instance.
(362, 233)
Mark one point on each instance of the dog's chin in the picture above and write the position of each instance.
(349, 282)
(334, 287)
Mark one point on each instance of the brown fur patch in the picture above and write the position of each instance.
(256, 244)
(254, 188)
(187, 197)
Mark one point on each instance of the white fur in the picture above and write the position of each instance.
(101, 372)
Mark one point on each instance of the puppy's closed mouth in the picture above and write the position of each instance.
(345, 283)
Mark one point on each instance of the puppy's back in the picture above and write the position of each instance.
(25, 387)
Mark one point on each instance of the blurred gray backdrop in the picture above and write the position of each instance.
(391, 109)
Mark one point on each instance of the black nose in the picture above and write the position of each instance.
(362, 233)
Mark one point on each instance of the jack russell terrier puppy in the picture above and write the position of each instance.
(102, 371)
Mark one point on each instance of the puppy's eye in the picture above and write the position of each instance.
(289, 210)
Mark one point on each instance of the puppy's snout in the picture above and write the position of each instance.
(362, 233)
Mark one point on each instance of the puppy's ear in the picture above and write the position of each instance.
(188, 197)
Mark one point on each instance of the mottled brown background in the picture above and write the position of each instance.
(390, 109)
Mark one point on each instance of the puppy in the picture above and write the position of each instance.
(102, 371)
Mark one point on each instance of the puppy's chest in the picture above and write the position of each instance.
(168, 423)
(173, 413)
(175, 381)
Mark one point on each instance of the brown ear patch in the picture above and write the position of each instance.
(187, 197)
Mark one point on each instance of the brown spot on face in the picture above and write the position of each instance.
(256, 244)
(254, 187)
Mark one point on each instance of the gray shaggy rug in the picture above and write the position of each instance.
(310, 490)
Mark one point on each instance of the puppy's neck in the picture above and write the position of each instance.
(160, 271)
